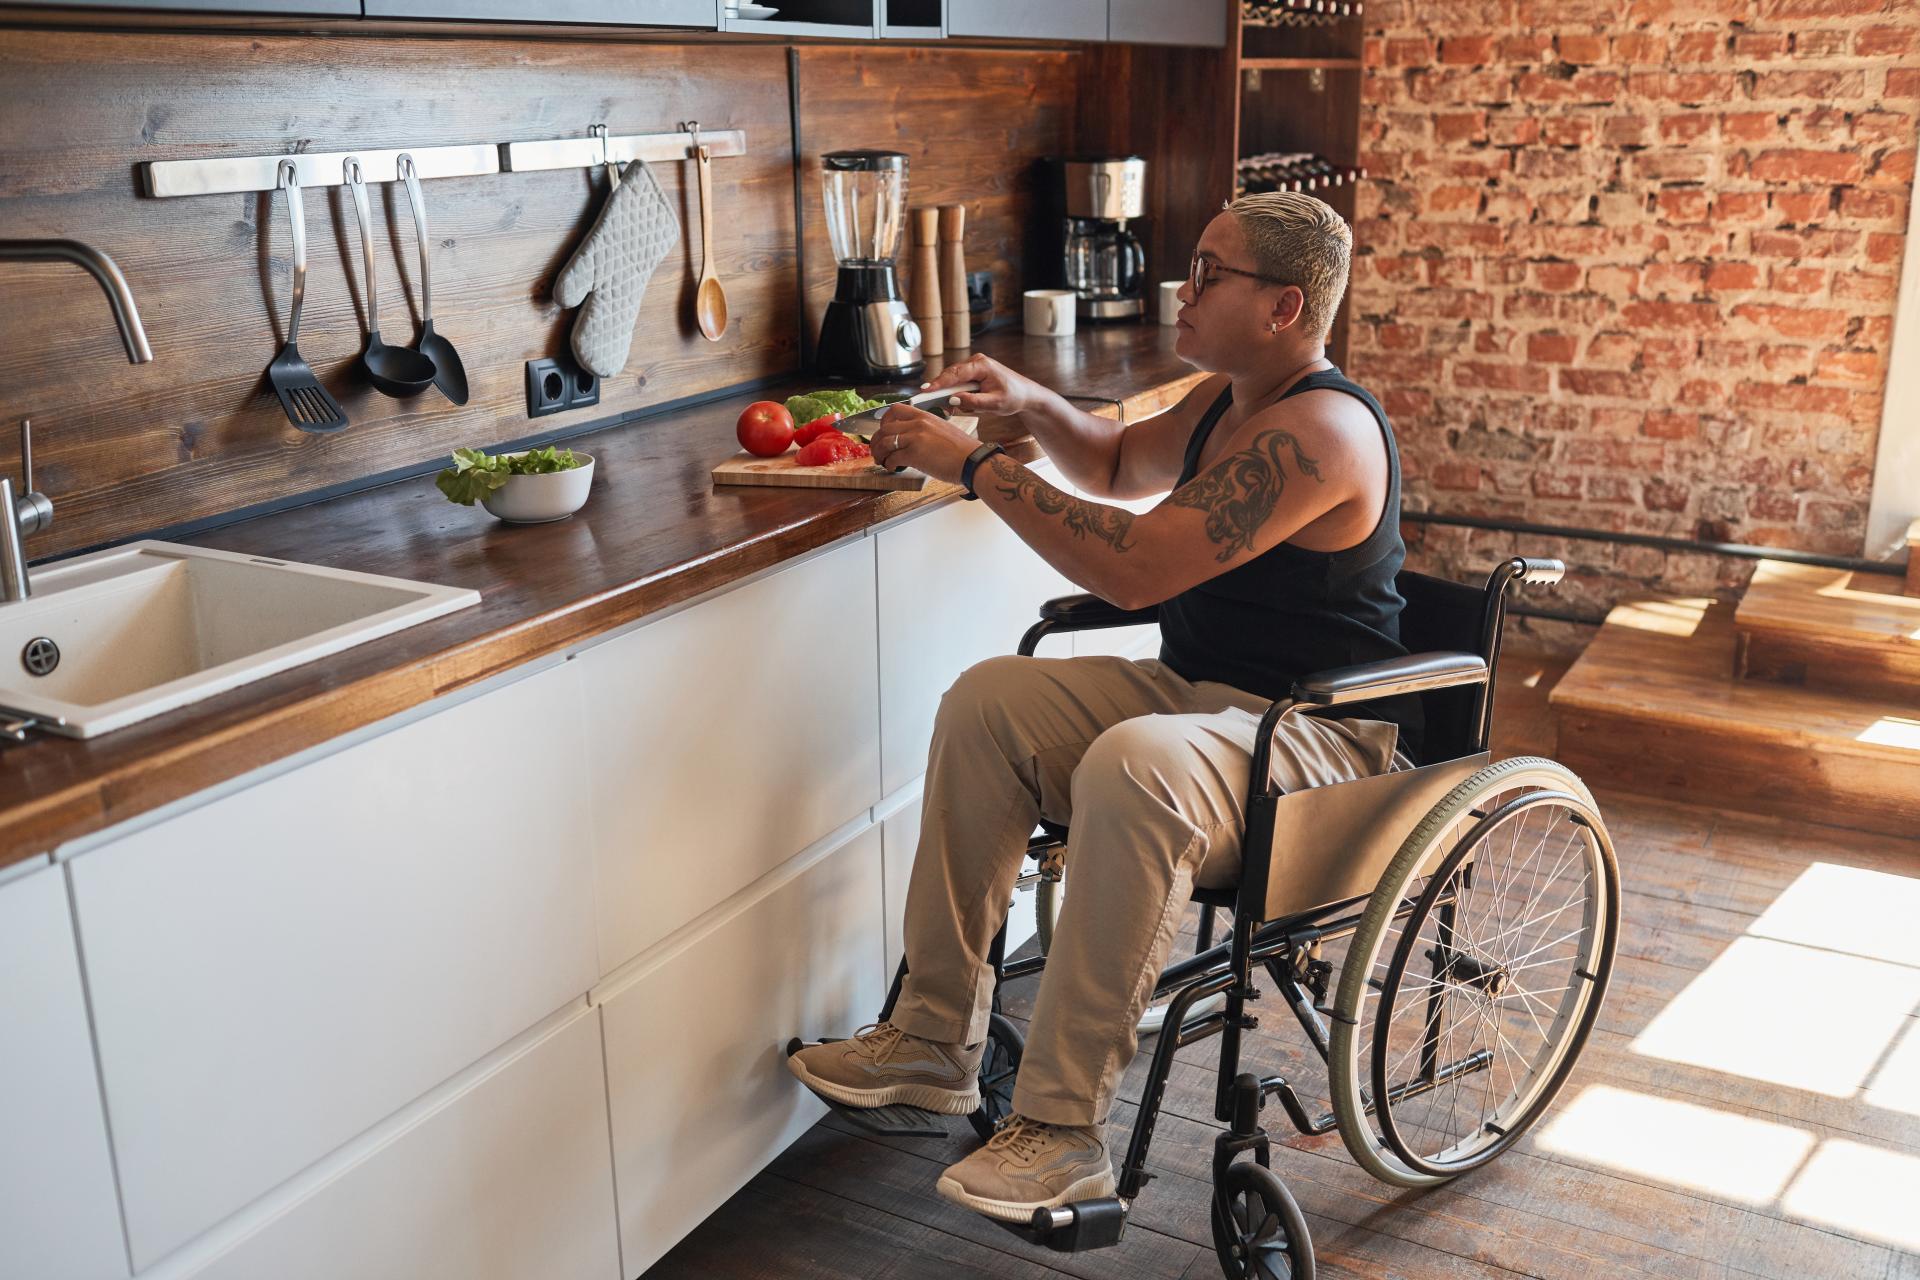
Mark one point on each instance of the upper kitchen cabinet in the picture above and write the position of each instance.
(913, 19)
(1055, 20)
(699, 14)
(294, 8)
(846, 19)
(1194, 22)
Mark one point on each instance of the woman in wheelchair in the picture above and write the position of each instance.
(1273, 568)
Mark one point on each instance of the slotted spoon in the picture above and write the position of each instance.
(306, 403)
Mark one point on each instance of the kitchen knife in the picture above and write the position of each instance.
(870, 418)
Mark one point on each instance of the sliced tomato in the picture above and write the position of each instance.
(807, 434)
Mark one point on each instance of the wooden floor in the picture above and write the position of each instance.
(1749, 1103)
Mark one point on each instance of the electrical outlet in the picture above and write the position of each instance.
(557, 384)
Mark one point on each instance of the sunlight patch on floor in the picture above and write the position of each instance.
(1892, 731)
(1791, 1015)
(1675, 1142)
(1896, 1085)
(1852, 909)
(1678, 617)
(1865, 1192)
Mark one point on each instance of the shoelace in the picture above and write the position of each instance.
(1019, 1136)
(881, 1043)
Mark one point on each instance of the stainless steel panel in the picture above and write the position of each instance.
(1112, 189)
(166, 178)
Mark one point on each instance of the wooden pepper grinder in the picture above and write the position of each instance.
(923, 290)
(953, 276)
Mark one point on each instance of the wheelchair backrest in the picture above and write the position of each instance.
(1443, 616)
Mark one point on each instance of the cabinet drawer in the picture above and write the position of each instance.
(507, 1179)
(704, 14)
(58, 1218)
(1193, 22)
(701, 1098)
(725, 739)
(956, 586)
(1053, 20)
(276, 971)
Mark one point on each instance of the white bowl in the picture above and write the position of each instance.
(755, 11)
(538, 499)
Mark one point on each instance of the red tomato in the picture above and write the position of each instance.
(822, 450)
(813, 430)
(765, 429)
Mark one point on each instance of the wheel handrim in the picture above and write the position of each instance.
(1507, 984)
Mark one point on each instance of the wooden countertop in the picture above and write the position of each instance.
(656, 532)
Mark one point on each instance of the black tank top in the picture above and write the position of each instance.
(1289, 612)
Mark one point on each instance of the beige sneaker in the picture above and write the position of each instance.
(883, 1065)
(1027, 1165)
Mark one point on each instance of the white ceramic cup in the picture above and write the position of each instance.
(1170, 301)
(1050, 311)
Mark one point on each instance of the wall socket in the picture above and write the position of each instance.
(557, 384)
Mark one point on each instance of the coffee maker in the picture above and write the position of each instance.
(866, 334)
(1105, 262)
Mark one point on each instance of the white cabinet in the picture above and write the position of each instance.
(58, 1216)
(1052, 20)
(899, 839)
(701, 1098)
(956, 586)
(505, 1179)
(725, 739)
(277, 970)
(1194, 22)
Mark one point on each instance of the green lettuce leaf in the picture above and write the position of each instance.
(818, 404)
(475, 475)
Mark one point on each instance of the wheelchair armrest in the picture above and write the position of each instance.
(1088, 612)
(1414, 673)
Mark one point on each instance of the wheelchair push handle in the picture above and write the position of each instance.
(1534, 570)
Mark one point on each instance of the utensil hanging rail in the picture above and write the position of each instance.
(588, 151)
(226, 174)
(315, 169)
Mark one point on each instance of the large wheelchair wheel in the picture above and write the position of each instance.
(1475, 974)
(1258, 1230)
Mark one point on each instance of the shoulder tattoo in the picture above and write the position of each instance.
(1110, 525)
(1239, 492)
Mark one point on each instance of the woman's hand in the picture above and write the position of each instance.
(1002, 391)
(907, 437)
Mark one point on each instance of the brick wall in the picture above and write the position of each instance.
(1631, 264)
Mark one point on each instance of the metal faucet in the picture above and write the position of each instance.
(30, 512)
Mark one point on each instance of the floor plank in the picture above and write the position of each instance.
(1703, 888)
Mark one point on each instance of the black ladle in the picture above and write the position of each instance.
(448, 373)
(397, 371)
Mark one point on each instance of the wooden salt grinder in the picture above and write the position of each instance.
(923, 289)
(953, 276)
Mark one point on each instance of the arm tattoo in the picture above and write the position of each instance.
(1109, 524)
(1241, 491)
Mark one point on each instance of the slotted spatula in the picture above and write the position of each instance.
(306, 403)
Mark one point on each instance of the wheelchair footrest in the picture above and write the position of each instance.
(897, 1121)
(1075, 1227)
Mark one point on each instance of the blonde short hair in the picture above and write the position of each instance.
(1299, 240)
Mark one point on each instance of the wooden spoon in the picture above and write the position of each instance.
(710, 301)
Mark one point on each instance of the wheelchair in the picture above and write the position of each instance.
(1479, 907)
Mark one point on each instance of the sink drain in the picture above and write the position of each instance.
(40, 656)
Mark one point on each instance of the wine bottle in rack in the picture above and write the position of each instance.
(1293, 171)
(1284, 13)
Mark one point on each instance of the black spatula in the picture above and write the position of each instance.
(306, 403)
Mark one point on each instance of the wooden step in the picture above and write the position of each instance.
(1653, 706)
(1830, 628)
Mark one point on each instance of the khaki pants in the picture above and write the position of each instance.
(1150, 771)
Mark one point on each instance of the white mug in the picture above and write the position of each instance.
(1050, 311)
(1170, 301)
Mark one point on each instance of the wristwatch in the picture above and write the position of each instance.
(972, 464)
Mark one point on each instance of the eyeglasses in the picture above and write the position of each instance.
(1203, 269)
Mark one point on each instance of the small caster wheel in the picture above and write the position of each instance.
(998, 1065)
(1258, 1230)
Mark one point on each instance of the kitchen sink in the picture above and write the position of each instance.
(112, 638)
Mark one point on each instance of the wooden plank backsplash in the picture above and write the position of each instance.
(124, 449)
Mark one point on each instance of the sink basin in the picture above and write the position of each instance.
(149, 627)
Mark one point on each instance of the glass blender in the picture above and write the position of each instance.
(867, 334)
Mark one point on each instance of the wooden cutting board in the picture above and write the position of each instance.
(854, 473)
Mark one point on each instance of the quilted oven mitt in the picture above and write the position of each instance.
(610, 269)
